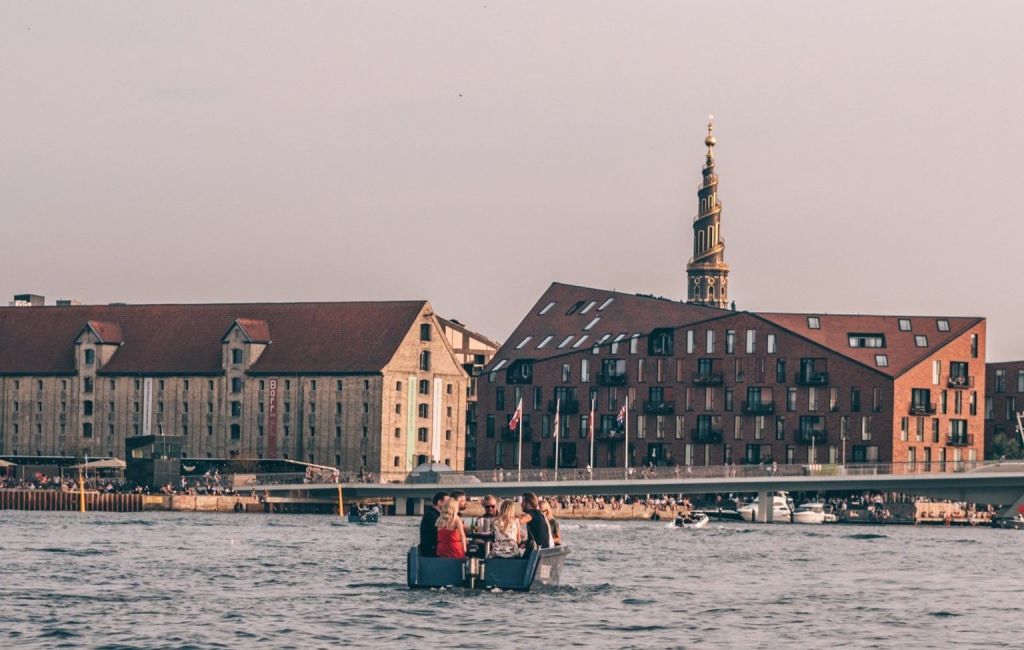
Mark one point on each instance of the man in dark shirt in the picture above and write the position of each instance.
(428, 525)
(536, 524)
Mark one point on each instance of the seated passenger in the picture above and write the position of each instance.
(428, 525)
(507, 533)
(451, 532)
(537, 529)
(484, 524)
(556, 533)
(679, 519)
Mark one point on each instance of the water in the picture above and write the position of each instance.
(217, 581)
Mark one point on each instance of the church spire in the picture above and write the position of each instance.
(707, 273)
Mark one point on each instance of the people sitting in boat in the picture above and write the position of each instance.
(507, 532)
(375, 510)
(428, 525)
(556, 533)
(537, 529)
(353, 510)
(451, 532)
(679, 519)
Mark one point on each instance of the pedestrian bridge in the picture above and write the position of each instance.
(996, 483)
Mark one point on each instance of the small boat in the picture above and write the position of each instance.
(367, 517)
(694, 520)
(810, 513)
(781, 509)
(1015, 523)
(539, 567)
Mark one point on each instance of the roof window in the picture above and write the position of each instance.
(590, 305)
(881, 360)
(582, 340)
(575, 308)
(547, 339)
(867, 340)
(942, 324)
(904, 324)
(814, 322)
(523, 343)
(605, 304)
(591, 324)
(546, 309)
(499, 365)
(565, 341)
(921, 341)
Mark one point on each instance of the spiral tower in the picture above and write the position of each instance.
(707, 273)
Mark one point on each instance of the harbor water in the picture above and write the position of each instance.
(170, 580)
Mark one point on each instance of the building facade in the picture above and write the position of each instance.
(707, 386)
(370, 386)
(473, 351)
(1004, 401)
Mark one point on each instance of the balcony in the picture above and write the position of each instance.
(805, 436)
(706, 435)
(758, 408)
(613, 434)
(811, 378)
(513, 434)
(708, 379)
(567, 406)
(922, 408)
(960, 381)
(659, 408)
(960, 439)
(611, 379)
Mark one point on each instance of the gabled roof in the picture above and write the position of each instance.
(104, 331)
(337, 337)
(567, 310)
(900, 348)
(256, 331)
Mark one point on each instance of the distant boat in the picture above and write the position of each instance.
(810, 513)
(694, 520)
(364, 517)
(539, 567)
(781, 509)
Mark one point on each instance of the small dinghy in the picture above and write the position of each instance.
(360, 516)
(539, 567)
(695, 520)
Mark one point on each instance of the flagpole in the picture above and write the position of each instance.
(519, 470)
(627, 435)
(592, 436)
(558, 425)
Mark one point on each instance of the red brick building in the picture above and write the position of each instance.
(708, 386)
(1004, 399)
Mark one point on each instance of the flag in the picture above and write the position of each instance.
(621, 417)
(513, 424)
(590, 423)
(558, 419)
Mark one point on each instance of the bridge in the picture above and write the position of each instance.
(984, 482)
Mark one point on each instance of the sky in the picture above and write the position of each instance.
(470, 153)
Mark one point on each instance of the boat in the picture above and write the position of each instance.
(810, 513)
(782, 511)
(694, 520)
(1015, 523)
(538, 568)
(365, 517)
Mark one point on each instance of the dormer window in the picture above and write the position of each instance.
(90, 356)
(867, 340)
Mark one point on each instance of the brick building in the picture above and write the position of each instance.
(364, 385)
(1004, 399)
(473, 351)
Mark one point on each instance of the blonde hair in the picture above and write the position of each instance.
(506, 514)
(449, 515)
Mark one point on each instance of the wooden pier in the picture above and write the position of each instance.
(58, 500)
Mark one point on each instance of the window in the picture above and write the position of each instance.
(87, 388)
(236, 385)
(921, 341)
(585, 370)
(710, 341)
(236, 432)
(86, 430)
(591, 324)
(236, 409)
(770, 344)
(904, 324)
(421, 434)
(566, 341)
(424, 360)
(605, 304)
(780, 371)
(1000, 380)
(425, 332)
(881, 360)
(499, 398)
(545, 341)
(634, 344)
(730, 341)
(90, 357)
(751, 341)
(689, 342)
(867, 340)
(566, 373)
(576, 307)
(523, 343)
(661, 343)
(590, 305)
(423, 410)
(942, 325)
(87, 407)
(236, 356)
(580, 341)
(547, 309)
(813, 322)
(974, 346)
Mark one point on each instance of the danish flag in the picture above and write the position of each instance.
(513, 424)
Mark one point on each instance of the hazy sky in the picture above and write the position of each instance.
(469, 153)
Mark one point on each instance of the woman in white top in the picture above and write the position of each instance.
(507, 533)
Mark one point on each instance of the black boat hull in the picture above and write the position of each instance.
(366, 518)
(540, 568)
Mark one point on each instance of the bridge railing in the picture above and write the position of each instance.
(672, 472)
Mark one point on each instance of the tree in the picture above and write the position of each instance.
(1003, 447)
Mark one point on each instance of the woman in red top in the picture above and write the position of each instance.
(451, 534)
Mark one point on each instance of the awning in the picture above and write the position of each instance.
(113, 463)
